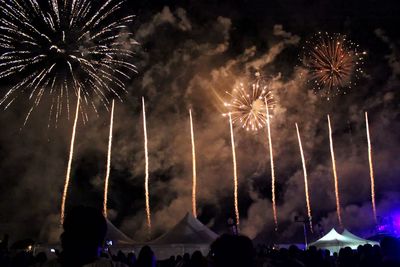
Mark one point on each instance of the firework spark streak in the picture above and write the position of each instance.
(247, 105)
(305, 179)
(53, 49)
(108, 162)
(371, 168)
(194, 185)
(335, 177)
(271, 156)
(333, 62)
(146, 179)
(71, 154)
(235, 176)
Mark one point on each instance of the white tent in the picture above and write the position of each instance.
(117, 237)
(346, 233)
(187, 236)
(333, 241)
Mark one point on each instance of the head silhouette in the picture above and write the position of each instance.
(233, 251)
(146, 257)
(84, 232)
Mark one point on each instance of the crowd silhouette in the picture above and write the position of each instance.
(85, 229)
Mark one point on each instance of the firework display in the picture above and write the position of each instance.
(247, 105)
(334, 63)
(58, 48)
(73, 58)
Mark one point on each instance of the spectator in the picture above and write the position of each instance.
(197, 260)
(232, 251)
(390, 248)
(146, 258)
(83, 237)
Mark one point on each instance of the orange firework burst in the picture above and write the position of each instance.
(333, 61)
(247, 106)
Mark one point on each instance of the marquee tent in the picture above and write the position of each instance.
(333, 241)
(187, 236)
(117, 237)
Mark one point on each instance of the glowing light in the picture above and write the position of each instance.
(57, 49)
(108, 162)
(371, 169)
(271, 156)
(333, 62)
(235, 176)
(305, 179)
(71, 154)
(247, 105)
(335, 177)
(194, 185)
(146, 180)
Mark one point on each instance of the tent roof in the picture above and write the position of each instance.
(189, 230)
(346, 233)
(116, 235)
(334, 241)
(332, 235)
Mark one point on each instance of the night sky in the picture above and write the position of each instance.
(190, 53)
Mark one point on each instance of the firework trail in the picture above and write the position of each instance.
(108, 162)
(146, 180)
(271, 156)
(305, 179)
(56, 48)
(247, 105)
(333, 62)
(335, 174)
(235, 176)
(194, 186)
(71, 154)
(371, 169)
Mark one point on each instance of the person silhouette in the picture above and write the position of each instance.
(146, 258)
(233, 251)
(85, 229)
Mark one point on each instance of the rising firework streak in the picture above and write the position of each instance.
(108, 161)
(194, 185)
(271, 156)
(335, 174)
(71, 154)
(146, 180)
(235, 177)
(371, 169)
(305, 179)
